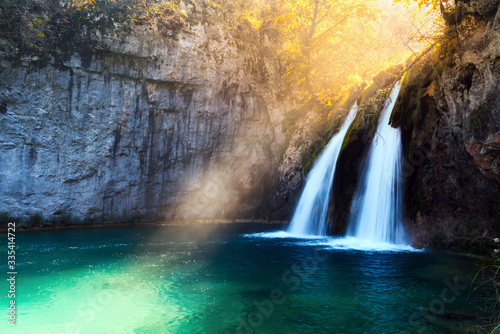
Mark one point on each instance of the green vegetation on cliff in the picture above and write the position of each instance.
(32, 31)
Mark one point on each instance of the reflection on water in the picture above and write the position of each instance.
(228, 279)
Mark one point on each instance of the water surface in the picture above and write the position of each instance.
(231, 278)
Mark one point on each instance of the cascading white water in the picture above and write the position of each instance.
(311, 212)
(377, 205)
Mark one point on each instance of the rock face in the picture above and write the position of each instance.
(291, 176)
(150, 126)
(449, 109)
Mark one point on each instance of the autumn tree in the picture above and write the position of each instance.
(325, 46)
(430, 15)
(321, 36)
(434, 5)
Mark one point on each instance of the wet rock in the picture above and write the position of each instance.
(449, 111)
(149, 126)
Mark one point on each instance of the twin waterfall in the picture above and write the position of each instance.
(377, 205)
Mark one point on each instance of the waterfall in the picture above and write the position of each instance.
(377, 205)
(310, 217)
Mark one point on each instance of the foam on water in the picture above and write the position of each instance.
(335, 243)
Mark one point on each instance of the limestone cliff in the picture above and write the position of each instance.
(147, 126)
(449, 110)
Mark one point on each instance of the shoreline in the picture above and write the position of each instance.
(138, 224)
(104, 225)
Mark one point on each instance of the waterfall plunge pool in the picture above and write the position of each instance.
(233, 278)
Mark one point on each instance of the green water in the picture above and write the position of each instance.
(224, 279)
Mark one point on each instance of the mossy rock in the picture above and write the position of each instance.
(478, 121)
(381, 81)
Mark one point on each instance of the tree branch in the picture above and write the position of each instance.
(331, 28)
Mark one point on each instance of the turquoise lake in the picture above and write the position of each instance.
(232, 278)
